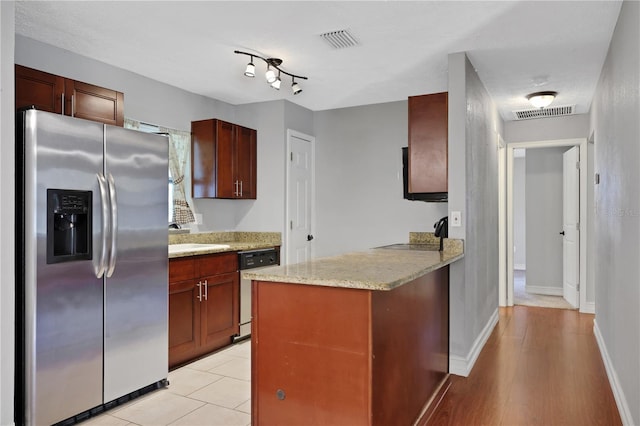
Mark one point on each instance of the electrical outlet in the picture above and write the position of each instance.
(198, 217)
(456, 219)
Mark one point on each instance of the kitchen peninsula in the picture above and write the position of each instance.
(359, 339)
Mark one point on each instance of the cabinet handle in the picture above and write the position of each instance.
(235, 192)
(200, 291)
(240, 188)
(206, 290)
(73, 105)
(63, 104)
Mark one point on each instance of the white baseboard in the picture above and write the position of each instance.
(461, 366)
(546, 290)
(588, 308)
(618, 393)
(520, 266)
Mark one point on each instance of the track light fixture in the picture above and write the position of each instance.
(272, 65)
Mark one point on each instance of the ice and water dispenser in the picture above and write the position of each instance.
(68, 225)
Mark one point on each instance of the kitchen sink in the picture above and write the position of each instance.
(181, 248)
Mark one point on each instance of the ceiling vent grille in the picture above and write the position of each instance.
(340, 39)
(556, 111)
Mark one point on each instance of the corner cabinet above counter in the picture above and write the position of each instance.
(223, 160)
(360, 338)
(428, 146)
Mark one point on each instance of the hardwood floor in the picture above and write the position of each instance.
(540, 366)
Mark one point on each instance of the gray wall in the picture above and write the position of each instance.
(519, 213)
(7, 172)
(359, 180)
(616, 127)
(474, 128)
(544, 218)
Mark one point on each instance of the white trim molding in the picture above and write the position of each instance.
(461, 366)
(614, 382)
(506, 295)
(546, 290)
(588, 308)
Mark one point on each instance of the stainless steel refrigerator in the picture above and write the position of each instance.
(91, 287)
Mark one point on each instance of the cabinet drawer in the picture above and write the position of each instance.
(182, 269)
(215, 264)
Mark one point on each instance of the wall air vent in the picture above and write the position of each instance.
(340, 39)
(556, 111)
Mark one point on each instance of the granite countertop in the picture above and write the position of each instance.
(374, 269)
(236, 241)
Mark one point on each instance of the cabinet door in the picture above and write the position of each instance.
(203, 159)
(220, 316)
(428, 133)
(41, 89)
(94, 103)
(245, 156)
(227, 185)
(184, 321)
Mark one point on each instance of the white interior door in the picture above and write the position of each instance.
(299, 197)
(570, 225)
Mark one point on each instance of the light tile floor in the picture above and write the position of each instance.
(212, 391)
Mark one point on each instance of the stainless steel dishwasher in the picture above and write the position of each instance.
(252, 259)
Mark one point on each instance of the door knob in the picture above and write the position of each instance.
(309, 237)
(562, 233)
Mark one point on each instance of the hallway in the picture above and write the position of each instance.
(540, 366)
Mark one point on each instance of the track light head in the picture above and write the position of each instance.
(251, 69)
(270, 75)
(295, 87)
(276, 82)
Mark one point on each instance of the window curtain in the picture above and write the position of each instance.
(179, 148)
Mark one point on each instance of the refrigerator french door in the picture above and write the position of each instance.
(92, 263)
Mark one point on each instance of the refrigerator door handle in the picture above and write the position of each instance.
(114, 225)
(102, 263)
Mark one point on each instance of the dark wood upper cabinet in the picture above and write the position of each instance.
(49, 92)
(40, 89)
(428, 138)
(94, 103)
(223, 162)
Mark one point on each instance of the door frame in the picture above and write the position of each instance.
(506, 257)
(287, 234)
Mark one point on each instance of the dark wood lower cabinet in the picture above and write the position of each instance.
(203, 305)
(328, 355)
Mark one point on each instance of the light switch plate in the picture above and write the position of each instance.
(456, 219)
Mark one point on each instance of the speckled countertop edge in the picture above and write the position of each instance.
(374, 269)
(236, 241)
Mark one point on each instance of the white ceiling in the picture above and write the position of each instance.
(517, 47)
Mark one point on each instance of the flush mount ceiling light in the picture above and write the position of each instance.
(541, 99)
(272, 65)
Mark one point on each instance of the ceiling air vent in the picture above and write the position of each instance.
(340, 39)
(556, 111)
